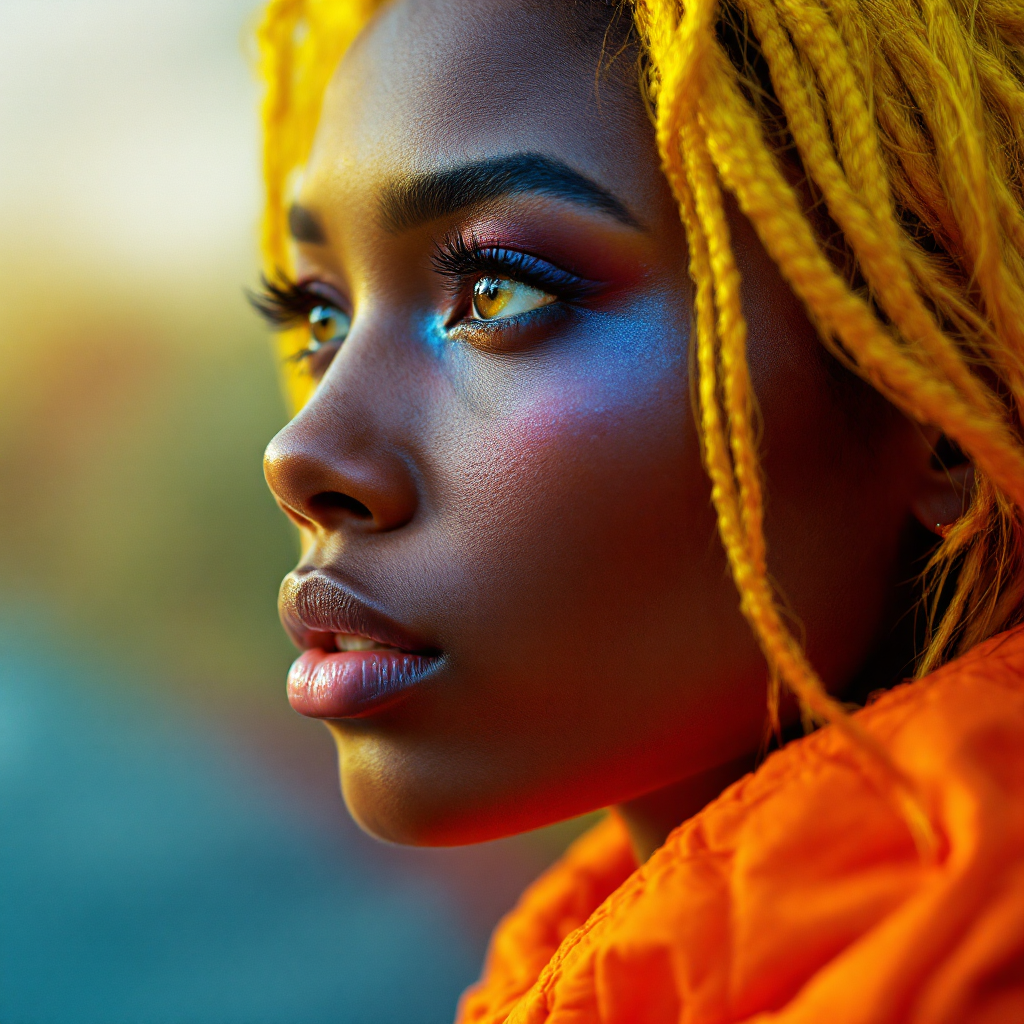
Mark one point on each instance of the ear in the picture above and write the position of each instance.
(945, 487)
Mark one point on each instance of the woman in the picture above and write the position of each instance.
(588, 309)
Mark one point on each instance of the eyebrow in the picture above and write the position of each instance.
(304, 226)
(435, 194)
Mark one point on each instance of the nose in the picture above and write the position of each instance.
(334, 468)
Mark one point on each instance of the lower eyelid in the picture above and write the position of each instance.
(551, 309)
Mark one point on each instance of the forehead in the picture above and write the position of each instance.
(435, 82)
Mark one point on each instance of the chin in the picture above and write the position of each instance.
(393, 798)
(399, 797)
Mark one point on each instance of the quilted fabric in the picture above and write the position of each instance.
(797, 897)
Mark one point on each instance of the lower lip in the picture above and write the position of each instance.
(349, 684)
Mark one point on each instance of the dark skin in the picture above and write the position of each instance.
(526, 492)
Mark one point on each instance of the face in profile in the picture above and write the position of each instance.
(513, 602)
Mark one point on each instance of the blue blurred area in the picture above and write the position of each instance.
(150, 876)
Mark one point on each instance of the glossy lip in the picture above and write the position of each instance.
(326, 683)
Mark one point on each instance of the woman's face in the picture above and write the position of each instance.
(498, 474)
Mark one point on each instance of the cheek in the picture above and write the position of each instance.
(577, 486)
(572, 559)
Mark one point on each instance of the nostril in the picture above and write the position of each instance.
(335, 501)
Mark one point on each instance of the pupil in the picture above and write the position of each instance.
(325, 324)
(323, 328)
(492, 295)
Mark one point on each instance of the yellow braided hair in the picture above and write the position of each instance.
(299, 43)
(907, 118)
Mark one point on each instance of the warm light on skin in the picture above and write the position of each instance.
(538, 511)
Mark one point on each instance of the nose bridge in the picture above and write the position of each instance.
(341, 462)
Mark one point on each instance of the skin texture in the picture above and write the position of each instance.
(535, 505)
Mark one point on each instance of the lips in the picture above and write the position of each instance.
(357, 659)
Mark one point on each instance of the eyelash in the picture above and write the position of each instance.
(460, 261)
(285, 303)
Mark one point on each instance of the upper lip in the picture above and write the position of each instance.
(314, 607)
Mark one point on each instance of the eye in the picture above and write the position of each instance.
(497, 298)
(327, 326)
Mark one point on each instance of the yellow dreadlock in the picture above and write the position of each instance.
(908, 119)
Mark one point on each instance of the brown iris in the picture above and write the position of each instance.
(328, 325)
(496, 298)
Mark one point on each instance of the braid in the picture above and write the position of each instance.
(936, 327)
(300, 43)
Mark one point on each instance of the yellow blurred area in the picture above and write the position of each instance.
(136, 387)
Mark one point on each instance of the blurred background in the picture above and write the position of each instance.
(172, 844)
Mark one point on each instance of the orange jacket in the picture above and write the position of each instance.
(797, 896)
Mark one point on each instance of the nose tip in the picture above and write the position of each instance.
(294, 484)
(326, 481)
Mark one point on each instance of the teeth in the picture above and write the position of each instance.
(350, 642)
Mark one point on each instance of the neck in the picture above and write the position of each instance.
(651, 817)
